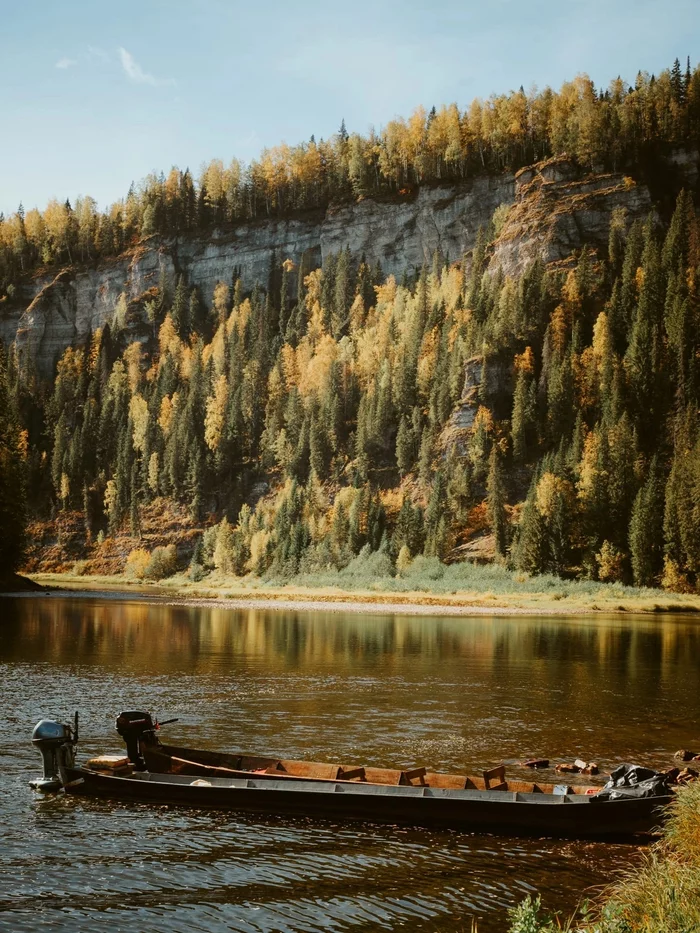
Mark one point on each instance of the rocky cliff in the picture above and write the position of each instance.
(554, 210)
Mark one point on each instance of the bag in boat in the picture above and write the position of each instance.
(634, 781)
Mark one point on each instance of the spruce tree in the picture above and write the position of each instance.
(12, 479)
(498, 519)
(180, 311)
(523, 425)
(646, 529)
(405, 447)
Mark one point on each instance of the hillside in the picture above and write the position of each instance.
(496, 363)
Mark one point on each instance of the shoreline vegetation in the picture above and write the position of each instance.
(493, 591)
(659, 895)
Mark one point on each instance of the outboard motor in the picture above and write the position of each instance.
(137, 728)
(56, 742)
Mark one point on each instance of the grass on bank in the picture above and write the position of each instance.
(371, 578)
(660, 896)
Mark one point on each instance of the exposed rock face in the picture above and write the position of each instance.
(482, 384)
(55, 311)
(557, 210)
(463, 416)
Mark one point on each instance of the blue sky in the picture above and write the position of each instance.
(96, 94)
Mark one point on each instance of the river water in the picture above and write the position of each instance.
(397, 691)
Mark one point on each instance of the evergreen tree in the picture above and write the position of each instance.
(405, 444)
(12, 478)
(524, 421)
(496, 504)
(181, 308)
(646, 529)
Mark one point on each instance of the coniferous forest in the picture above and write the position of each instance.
(312, 419)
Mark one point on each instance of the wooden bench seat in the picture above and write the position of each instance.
(495, 778)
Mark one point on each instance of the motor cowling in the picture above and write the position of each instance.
(56, 743)
(137, 728)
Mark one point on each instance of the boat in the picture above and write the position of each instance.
(495, 811)
(156, 773)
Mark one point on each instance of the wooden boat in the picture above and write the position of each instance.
(494, 810)
(416, 796)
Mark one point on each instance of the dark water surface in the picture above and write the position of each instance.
(453, 694)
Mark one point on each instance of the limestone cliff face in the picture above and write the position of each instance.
(554, 210)
(54, 311)
(557, 209)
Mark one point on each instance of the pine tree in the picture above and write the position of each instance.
(646, 529)
(530, 546)
(342, 297)
(180, 311)
(643, 360)
(496, 504)
(425, 457)
(319, 448)
(524, 419)
(12, 478)
(196, 316)
(405, 447)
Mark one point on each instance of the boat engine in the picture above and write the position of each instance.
(56, 742)
(137, 728)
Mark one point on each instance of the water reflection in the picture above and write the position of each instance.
(391, 690)
(50, 628)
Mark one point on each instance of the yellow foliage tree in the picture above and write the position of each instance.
(132, 358)
(138, 412)
(168, 340)
(153, 472)
(216, 413)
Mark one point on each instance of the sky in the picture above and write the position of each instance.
(96, 95)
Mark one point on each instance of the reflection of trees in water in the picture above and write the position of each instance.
(161, 636)
(391, 690)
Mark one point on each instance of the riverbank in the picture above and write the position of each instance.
(662, 895)
(16, 583)
(391, 594)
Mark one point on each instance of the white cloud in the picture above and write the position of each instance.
(95, 51)
(64, 63)
(135, 72)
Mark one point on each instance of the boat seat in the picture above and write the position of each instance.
(116, 764)
(446, 781)
(313, 770)
(495, 778)
(352, 774)
(414, 774)
(276, 767)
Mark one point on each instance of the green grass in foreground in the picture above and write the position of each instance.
(660, 896)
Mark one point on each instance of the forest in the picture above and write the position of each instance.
(311, 420)
(620, 126)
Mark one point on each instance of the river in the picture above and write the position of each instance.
(398, 691)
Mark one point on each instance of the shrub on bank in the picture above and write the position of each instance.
(665, 894)
(136, 564)
(162, 563)
(661, 896)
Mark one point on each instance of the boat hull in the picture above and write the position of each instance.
(501, 812)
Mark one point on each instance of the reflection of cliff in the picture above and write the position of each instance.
(161, 638)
